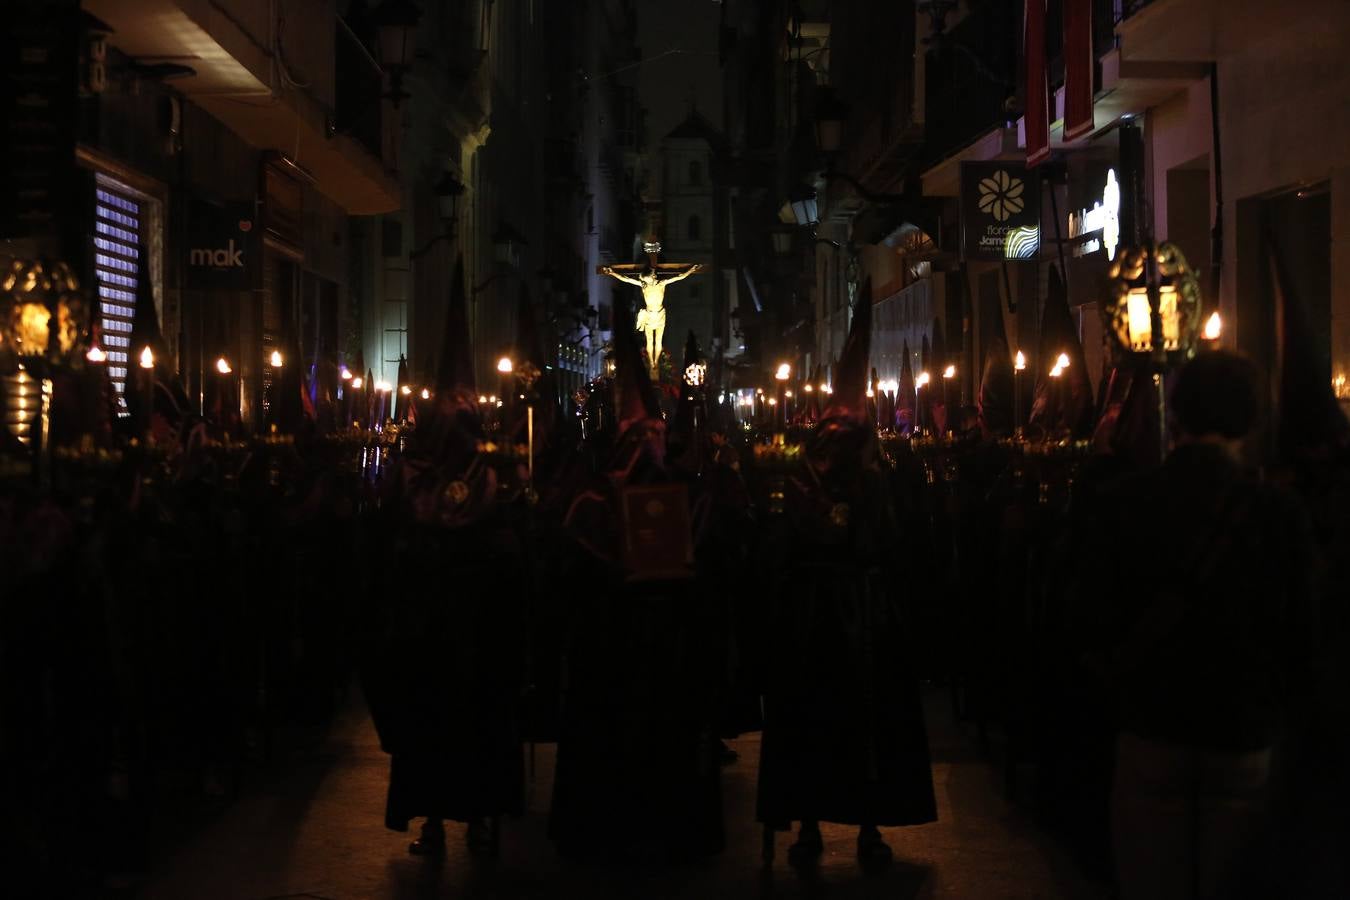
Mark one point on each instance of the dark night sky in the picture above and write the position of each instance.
(666, 84)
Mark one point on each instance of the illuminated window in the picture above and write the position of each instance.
(120, 226)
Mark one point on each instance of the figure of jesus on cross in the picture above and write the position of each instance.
(653, 282)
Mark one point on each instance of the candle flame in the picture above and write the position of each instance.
(276, 359)
(482, 399)
(922, 380)
(96, 354)
(504, 365)
(949, 372)
(1213, 327)
(1062, 361)
(405, 390)
(346, 374)
(147, 358)
(1020, 362)
(223, 366)
(784, 372)
(357, 382)
(426, 394)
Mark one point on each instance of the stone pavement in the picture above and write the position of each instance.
(318, 833)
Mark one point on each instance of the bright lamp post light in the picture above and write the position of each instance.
(223, 366)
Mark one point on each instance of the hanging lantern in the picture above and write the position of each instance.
(1155, 303)
(43, 316)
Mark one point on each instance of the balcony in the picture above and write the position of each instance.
(968, 78)
(273, 101)
(360, 89)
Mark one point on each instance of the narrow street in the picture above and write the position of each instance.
(319, 833)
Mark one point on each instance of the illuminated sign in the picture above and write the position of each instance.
(1000, 211)
(1099, 225)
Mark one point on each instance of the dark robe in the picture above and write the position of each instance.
(636, 773)
(844, 736)
(443, 674)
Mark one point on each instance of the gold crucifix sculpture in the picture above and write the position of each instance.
(653, 281)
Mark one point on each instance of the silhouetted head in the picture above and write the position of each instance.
(1215, 398)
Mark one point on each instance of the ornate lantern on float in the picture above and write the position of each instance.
(1153, 313)
(1154, 307)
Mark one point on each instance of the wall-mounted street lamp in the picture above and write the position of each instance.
(395, 23)
(507, 244)
(802, 201)
(448, 191)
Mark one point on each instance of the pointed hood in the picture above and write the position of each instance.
(288, 384)
(996, 390)
(167, 398)
(849, 400)
(1062, 405)
(686, 437)
(634, 400)
(455, 368)
(529, 348)
(1311, 420)
(402, 402)
(904, 401)
(815, 397)
(946, 393)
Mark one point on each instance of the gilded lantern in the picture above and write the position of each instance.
(43, 316)
(1154, 285)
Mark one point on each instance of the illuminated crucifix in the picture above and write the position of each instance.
(653, 282)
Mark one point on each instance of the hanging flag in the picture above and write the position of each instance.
(1037, 119)
(1078, 69)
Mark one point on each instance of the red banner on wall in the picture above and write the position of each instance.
(1037, 118)
(1078, 69)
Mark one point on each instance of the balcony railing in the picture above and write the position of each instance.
(969, 77)
(359, 88)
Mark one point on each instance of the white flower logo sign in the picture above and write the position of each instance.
(1001, 195)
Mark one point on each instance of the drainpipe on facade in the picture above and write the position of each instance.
(1216, 232)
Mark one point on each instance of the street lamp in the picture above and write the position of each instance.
(395, 22)
(831, 114)
(448, 190)
(802, 201)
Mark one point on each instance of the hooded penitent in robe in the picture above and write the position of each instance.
(844, 736)
(637, 776)
(442, 668)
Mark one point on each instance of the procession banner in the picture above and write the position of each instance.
(1037, 118)
(1078, 69)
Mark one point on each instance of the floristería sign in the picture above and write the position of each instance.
(1000, 211)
